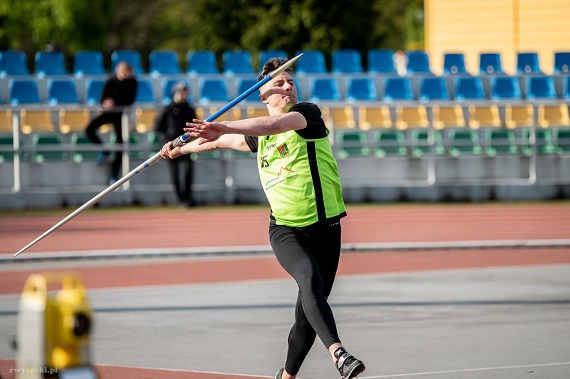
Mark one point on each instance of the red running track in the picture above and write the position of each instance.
(239, 226)
(97, 230)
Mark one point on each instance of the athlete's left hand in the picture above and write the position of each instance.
(205, 131)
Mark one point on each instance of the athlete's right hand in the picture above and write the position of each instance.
(168, 152)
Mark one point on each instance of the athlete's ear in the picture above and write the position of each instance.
(263, 98)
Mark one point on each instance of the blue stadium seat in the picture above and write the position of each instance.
(167, 85)
(164, 62)
(50, 63)
(94, 89)
(527, 63)
(132, 57)
(469, 88)
(566, 88)
(213, 90)
(237, 62)
(346, 61)
(562, 62)
(433, 89)
(490, 63)
(298, 85)
(361, 89)
(62, 92)
(540, 87)
(201, 62)
(24, 92)
(312, 62)
(454, 63)
(381, 61)
(87, 63)
(398, 89)
(418, 62)
(505, 87)
(13, 62)
(326, 89)
(144, 92)
(264, 55)
(243, 85)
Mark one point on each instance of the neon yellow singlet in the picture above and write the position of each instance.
(300, 179)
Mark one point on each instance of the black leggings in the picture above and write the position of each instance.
(310, 255)
(91, 132)
(182, 166)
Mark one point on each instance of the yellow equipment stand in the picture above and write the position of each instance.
(54, 329)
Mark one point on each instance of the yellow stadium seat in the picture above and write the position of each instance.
(34, 121)
(326, 116)
(517, 116)
(6, 121)
(553, 115)
(484, 116)
(448, 117)
(342, 118)
(374, 117)
(256, 112)
(411, 117)
(213, 110)
(73, 120)
(238, 113)
(145, 119)
(200, 113)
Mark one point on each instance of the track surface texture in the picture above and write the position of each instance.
(434, 313)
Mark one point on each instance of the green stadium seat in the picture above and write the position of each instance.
(420, 145)
(389, 142)
(135, 144)
(544, 142)
(463, 142)
(239, 154)
(54, 144)
(135, 147)
(212, 154)
(562, 138)
(500, 141)
(79, 140)
(154, 143)
(352, 143)
(6, 141)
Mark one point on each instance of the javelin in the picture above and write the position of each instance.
(177, 142)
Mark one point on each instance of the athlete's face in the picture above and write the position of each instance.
(279, 93)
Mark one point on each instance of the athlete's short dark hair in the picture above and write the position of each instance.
(271, 65)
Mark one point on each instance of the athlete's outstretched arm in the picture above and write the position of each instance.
(259, 126)
(227, 141)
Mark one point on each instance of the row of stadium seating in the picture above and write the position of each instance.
(454, 142)
(349, 143)
(363, 131)
(356, 89)
(237, 62)
(439, 117)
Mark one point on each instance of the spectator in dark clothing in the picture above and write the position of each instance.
(169, 125)
(118, 92)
